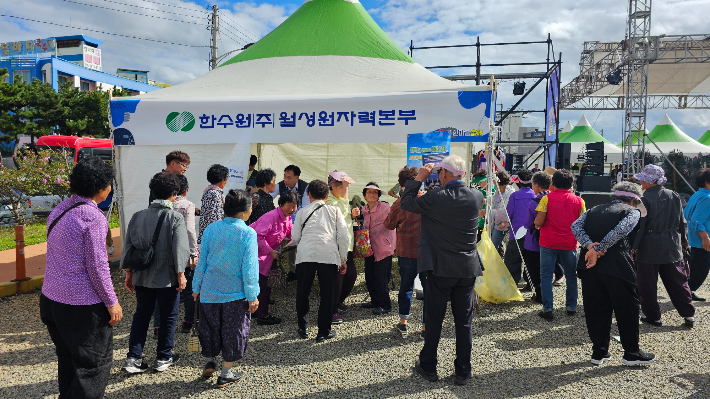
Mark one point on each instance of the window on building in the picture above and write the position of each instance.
(24, 75)
(84, 86)
(44, 76)
(62, 79)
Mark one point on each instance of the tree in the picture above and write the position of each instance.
(86, 111)
(44, 173)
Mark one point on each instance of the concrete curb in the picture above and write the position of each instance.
(10, 288)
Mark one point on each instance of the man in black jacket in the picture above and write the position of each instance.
(447, 253)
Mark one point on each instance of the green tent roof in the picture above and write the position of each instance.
(584, 133)
(667, 132)
(326, 27)
(705, 138)
(634, 138)
(565, 130)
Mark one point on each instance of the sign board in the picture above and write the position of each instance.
(236, 174)
(92, 58)
(27, 47)
(68, 43)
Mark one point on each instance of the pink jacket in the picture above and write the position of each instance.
(271, 229)
(383, 241)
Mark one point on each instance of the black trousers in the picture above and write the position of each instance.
(603, 295)
(699, 267)
(532, 264)
(84, 344)
(377, 278)
(439, 290)
(344, 283)
(512, 259)
(305, 273)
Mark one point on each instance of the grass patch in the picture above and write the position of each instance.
(36, 231)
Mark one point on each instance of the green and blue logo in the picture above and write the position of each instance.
(183, 121)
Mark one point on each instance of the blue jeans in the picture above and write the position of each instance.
(407, 274)
(497, 237)
(568, 258)
(169, 302)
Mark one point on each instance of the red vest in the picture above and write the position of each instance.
(563, 208)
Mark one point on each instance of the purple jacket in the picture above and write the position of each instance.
(518, 208)
(532, 244)
(272, 228)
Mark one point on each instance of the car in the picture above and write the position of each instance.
(43, 204)
(6, 216)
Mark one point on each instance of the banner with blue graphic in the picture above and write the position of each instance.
(376, 118)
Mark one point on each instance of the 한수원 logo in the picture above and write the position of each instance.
(180, 121)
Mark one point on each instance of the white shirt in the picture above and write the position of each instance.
(325, 236)
(619, 177)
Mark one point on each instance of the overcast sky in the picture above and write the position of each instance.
(427, 22)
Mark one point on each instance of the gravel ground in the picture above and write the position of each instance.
(516, 354)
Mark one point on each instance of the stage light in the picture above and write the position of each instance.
(615, 78)
(518, 88)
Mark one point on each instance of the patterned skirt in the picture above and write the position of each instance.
(224, 327)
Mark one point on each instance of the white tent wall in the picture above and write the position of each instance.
(138, 164)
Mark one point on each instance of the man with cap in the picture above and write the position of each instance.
(447, 253)
(339, 183)
(659, 249)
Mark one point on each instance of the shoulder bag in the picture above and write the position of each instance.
(141, 259)
(54, 222)
(363, 247)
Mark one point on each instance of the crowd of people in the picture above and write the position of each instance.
(221, 267)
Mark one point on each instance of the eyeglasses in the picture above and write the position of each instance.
(184, 165)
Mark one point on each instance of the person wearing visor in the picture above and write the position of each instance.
(448, 254)
(378, 267)
(339, 183)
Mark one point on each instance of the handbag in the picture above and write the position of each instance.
(363, 247)
(277, 275)
(141, 259)
(193, 343)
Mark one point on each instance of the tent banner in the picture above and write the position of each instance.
(386, 118)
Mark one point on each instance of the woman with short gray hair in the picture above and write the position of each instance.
(608, 274)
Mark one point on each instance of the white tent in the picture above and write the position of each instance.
(327, 80)
(583, 134)
(668, 137)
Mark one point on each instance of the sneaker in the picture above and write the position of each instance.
(209, 369)
(656, 323)
(380, 311)
(571, 312)
(187, 327)
(433, 377)
(336, 319)
(599, 358)
(303, 333)
(133, 365)
(231, 378)
(697, 298)
(269, 320)
(110, 250)
(368, 305)
(546, 315)
(690, 321)
(559, 281)
(321, 338)
(342, 308)
(162, 365)
(402, 328)
(638, 358)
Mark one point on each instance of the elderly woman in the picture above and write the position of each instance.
(378, 267)
(227, 283)
(322, 238)
(500, 202)
(697, 213)
(78, 304)
(271, 229)
(264, 202)
(213, 198)
(163, 280)
(608, 274)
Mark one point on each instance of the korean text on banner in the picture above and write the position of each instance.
(418, 144)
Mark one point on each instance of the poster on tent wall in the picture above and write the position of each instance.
(552, 116)
(420, 144)
(366, 118)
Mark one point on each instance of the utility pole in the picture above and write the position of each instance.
(215, 29)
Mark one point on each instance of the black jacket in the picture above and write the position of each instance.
(447, 244)
(663, 232)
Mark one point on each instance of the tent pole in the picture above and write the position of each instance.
(669, 162)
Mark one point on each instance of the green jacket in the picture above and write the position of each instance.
(482, 221)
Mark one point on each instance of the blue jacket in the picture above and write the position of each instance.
(697, 215)
(228, 269)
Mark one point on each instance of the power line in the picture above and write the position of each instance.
(229, 36)
(170, 5)
(154, 9)
(158, 50)
(235, 34)
(135, 13)
(99, 31)
(253, 36)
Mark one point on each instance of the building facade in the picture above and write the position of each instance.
(76, 59)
